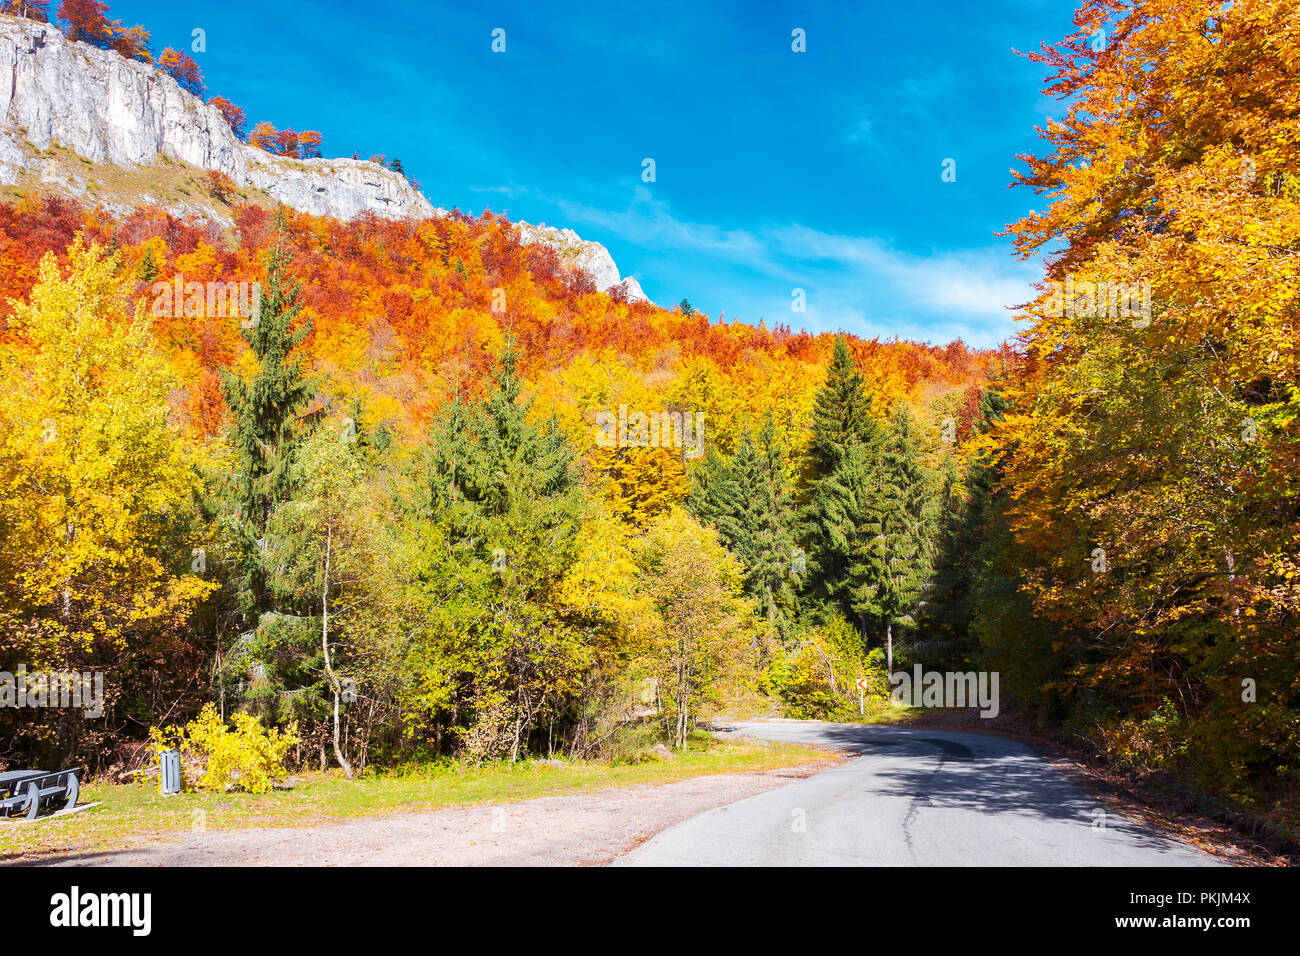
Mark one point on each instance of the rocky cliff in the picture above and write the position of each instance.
(580, 253)
(70, 98)
(112, 110)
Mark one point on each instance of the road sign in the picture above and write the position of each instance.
(862, 695)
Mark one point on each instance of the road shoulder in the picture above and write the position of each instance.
(587, 828)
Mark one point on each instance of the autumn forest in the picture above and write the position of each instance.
(416, 489)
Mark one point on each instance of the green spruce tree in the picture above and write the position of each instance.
(267, 411)
(275, 658)
(967, 510)
(506, 493)
(711, 493)
(845, 527)
(841, 414)
(903, 538)
(748, 500)
(842, 428)
(148, 269)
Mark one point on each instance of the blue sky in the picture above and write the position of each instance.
(775, 170)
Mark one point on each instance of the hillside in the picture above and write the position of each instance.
(402, 317)
(284, 443)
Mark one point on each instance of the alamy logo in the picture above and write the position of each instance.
(74, 908)
(81, 690)
(949, 689)
(655, 430)
(1116, 300)
(209, 299)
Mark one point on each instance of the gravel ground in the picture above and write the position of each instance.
(575, 829)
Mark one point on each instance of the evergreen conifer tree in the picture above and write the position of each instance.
(842, 428)
(267, 412)
(507, 491)
(276, 657)
(886, 583)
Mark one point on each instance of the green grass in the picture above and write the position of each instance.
(884, 711)
(877, 711)
(131, 814)
(168, 180)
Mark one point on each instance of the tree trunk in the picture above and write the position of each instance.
(889, 647)
(338, 750)
(683, 694)
(325, 647)
(1232, 577)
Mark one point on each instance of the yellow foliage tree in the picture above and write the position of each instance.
(95, 483)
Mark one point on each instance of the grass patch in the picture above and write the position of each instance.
(883, 711)
(169, 181)
(129, 814)
(877, 710)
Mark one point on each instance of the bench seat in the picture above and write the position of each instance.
(33, 792)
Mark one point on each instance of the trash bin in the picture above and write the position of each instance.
(169, 780)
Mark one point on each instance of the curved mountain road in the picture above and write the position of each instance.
(914, 797)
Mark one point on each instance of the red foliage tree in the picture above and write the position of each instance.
(182, 68)
(85, 20)
(286, 142)
(233, 115)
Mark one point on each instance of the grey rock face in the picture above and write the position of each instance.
(632, 290)
(583, 254)
(113, 110)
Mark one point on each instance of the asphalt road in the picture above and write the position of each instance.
(914, 797)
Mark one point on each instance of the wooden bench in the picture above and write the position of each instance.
(30, 791)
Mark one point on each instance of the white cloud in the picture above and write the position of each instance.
(860, 284)
(978, 283)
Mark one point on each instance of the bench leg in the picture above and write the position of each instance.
(33, 801)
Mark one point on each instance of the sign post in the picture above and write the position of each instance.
(862, 690)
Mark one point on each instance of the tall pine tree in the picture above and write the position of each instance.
(267, 411)
(967, 509)
(846, 527)
(506, 492)
(748, 500)
(841, 414)
(905, 528)
(842, 428)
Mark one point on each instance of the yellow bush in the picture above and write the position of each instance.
(246, 758)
